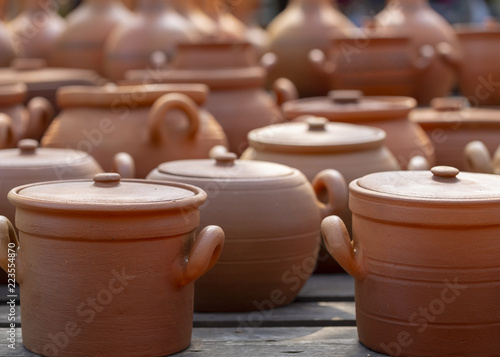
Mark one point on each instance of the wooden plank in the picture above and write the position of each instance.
(257, 342)
(328, 287)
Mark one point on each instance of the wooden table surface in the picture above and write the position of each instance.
(320, 323)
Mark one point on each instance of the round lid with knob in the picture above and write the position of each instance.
(314, 135)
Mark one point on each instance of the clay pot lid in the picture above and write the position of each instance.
(449, 111)
(107, 193)
(35, 73)
(128, 96)
(28, 155)
(12, 92)
(350, 106)
(314, 135)
(225, 166)
(441, 184)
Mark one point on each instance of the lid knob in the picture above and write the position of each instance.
(27, 146)
(225, 159)
(107, 179)
(450, 104)
(346, 96)
(445, 171)
(316, 123)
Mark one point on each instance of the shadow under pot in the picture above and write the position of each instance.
(424, 255)
(405, 139)
(451, 124)
(153, 123)
(271, 217)
(141, 240)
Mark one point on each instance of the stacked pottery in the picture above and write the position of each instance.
(237, 97)
(153, 123)
(425, 27)
(405, 139)
(156, 26)
(424, 255)
(36, 29)
(304, 26)
(271, 217)
(451, 124)
(20, 121)
(81, 45)
(109, 238)
(479, 74)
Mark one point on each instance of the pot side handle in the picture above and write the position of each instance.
(7, 135)
(418, 163)
(339, 245)
(165, 104)
(477, 158)
(449, 55)
(335, 185)
(41, 113)
(319, 61)
(203, 255)
(284, 91)
(124, 165)
(8, 238)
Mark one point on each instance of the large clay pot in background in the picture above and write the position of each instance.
(110, 240)
(7, 49)
(36, 29)
(228, 27)
(303, 26)
(424, 255)
(417, 20)
(20, 121)
(156, 26)
(405, 139)
(191, 10)
(246, 12)
(451, 124)
(153, 123)
(81, 45)
(479, 74)
(267, 232)
(237, 98)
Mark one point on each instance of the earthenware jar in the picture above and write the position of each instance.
(303, 26)
(117, 241)
(190, 9)
(424, 256)
(25, 121)
(81, 45)
(7, 49)
(228, 27)
(266, 234)
(417, 20)
(246, 12)
(43, 81)
(479, 75)
(375, 65)
(153, 123)
(451, 123)
(37, 28)
(154, 20)
(237, 98)
(404, 138)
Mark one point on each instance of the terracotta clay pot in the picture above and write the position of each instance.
(154, 20)
(153, 123)
(81, 45)
(304, 26)
(267, 234)
(424, 256)
(7, 49)
(36, 29)
(479, 75)
(43, 81)
(140, 238)
(373, 64)
(246, 12)
(237, 98)
(21, 121)
(316, 145)
(451, 123)
(227, 26)
(417, 20)
(405, 139)
(191, 10)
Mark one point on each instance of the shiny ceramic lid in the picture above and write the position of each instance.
(225, 167)
(28, 155)
(107, 192)
(350, 106)
(315, 135)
